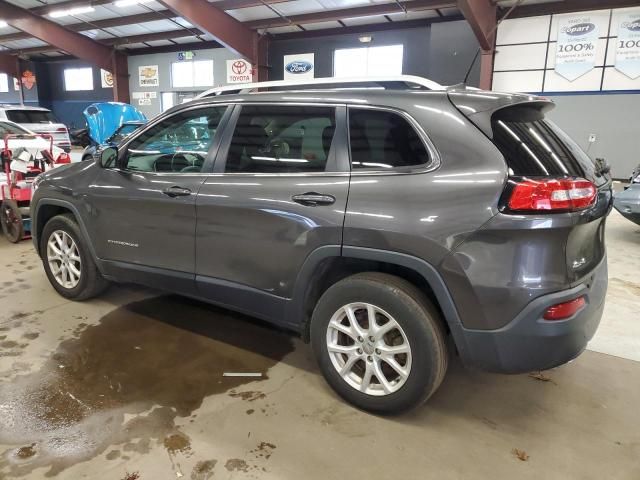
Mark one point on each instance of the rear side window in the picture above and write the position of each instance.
(383, 140)
(534, 146)
(281, 139)
(30, 116)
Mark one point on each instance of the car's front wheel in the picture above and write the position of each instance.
(379, 342)
(67, 261)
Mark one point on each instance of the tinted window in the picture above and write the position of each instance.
(179, 143)
(275, 139)
(534, 146)
(31, 116)
(381, 140)
(123, 132)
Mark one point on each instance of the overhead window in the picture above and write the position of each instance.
(382, 140)
(368, 61)
(4, 83)
(279, 139)
(190, 74)
(77, 79)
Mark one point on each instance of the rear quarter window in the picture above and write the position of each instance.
(534, 146)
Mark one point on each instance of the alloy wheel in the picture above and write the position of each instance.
(64, 260)
(369, 349)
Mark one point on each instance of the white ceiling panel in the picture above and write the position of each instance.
(252, 13)
(285, 29)
(298, 7)
(349, 22)
(183, 22)
(8, 30)
(160, 26)
(97, 34)
(127, 30)
(321, 25)
(136, 45)
(448, 12)
(54, 54)
(26, 43)
(331, 4)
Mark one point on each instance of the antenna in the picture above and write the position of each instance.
(495, 27)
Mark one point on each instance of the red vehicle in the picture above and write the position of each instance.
(24, 157)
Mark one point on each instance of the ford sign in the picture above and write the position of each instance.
(580, 29)
(298, 66)
(633, 26)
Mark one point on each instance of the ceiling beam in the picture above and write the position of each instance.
(339, 14)
(568, 6)
(117, 41)
(227, 31)
(481, 16)
(9, 64)
(74, 43)
(100, 24)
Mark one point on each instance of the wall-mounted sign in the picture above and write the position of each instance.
(628, 44)
(239, 71)
(148, 76)
(299, 66)
(144, 101)
(28, 79)
(186, 55)
(107, 79)
(139, 95)
(576, 46)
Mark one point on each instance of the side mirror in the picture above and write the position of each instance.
(108, 157)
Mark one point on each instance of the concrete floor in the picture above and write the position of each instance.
(130, 386)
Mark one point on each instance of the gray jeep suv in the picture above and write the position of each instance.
(389, 226)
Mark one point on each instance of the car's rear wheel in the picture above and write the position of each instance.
(379, 342)
(67, 261)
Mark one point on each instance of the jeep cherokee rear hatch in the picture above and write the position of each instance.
(548, 173)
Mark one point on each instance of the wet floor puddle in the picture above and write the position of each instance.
(156, 359)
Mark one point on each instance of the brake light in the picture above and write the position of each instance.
(63, 158)
(61, 130)
(551, 194)
(564, 310)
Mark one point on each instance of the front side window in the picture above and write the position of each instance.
(31, 116)
(178, 144)
(383, 140)
(281, 139)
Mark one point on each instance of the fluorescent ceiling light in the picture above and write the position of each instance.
(129, 3)
(71, 11)
(3, 24)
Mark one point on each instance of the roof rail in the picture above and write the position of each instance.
(397, 81)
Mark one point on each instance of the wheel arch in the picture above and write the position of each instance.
(326, 266)
(48, 208)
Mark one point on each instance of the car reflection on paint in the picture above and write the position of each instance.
(627, 202)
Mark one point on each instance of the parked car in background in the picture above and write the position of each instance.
(108, 123)
(386, 225)
(33, 145)
(38, 120)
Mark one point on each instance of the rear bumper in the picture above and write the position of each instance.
(529, 343)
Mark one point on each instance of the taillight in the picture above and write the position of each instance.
(564, 310)
(63, 158)
(551, 194)
(61, 130)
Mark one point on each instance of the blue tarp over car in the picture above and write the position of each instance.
(104, 118)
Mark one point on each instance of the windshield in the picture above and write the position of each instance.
(123, 132)
(7, 128)
(31, 116)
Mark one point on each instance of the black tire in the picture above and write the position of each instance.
(417, 317)
(11, 219)
(91, 282)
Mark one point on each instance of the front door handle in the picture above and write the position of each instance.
(313, 199)
(176, 191)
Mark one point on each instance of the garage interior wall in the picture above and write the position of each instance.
(164, 61)
(68, 106)
(439, 51)
(603, 101)
(30, 94)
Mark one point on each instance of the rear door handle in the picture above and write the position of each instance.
(313, 199)
(176, 191)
